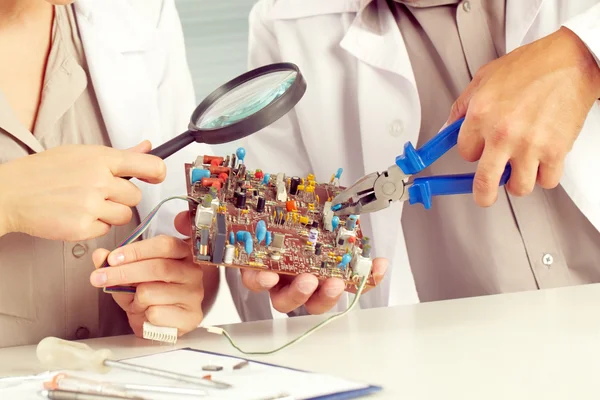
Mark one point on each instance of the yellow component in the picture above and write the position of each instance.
(245, 211)
(338, 258)
(329, 198)
(300, 188)
(317, 199)
(295, 216)
(332, 178)
(256, 264)
(331, 254)
(237, 252)
(310, 177)
(310, 189)
(308, 243)
(302, 181)
(311, 206)
(303, 219)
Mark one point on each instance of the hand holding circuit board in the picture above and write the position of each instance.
(266, 222)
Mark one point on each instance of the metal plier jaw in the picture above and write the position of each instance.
(372, 192)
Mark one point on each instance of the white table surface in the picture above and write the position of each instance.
(535, 345)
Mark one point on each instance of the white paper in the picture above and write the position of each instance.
(255, 381)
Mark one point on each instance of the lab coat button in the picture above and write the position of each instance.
(396, 128)
(79, 250)
(466, 6)
(547, 259)
(82, 333)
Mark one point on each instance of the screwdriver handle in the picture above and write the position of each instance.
(63, 354)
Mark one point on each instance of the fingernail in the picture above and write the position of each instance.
(307, 286)
(267, 281)
(117, 258)
(99, 278)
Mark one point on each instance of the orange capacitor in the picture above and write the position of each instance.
(223, 176)
(215, 163)
(211, 182)
(218, 170)
(210, 159)
(291, 205)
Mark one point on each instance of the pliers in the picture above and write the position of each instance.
(377, 191)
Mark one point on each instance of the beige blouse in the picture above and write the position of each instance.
(45, 289)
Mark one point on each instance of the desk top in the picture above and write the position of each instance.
(542, 345)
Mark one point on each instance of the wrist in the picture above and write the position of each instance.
(583, 58)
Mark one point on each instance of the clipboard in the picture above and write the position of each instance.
(332, 388)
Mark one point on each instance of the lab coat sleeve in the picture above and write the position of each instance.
(278, 147)
(587, 27)
(176, 83)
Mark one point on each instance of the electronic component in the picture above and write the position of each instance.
(212, 368)
(265, 221)
(159, 333)
(260, 204)
(219, 239)
(241, 364)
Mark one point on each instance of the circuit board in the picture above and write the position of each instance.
(250, 219)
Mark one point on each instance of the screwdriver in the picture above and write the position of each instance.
(63, 354)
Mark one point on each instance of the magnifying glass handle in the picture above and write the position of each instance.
(174, 145)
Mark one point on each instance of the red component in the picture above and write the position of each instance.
(218, 170)
(210, 181)
(259, 174)
(217, 185)
(209, 160)
(351, 239)
(223, 176)
(215, 163)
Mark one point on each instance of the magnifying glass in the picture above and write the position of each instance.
(241, 107)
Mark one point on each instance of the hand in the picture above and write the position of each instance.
(289, 293)
(169, 285)
(74, 192)
(528, 108)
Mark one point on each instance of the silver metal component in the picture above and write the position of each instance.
(373, 192)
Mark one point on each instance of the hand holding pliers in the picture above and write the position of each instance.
(377, 191)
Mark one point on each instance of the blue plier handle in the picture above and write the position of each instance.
(377, 191)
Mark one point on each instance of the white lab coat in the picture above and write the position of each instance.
(136, 56)
(362, 105)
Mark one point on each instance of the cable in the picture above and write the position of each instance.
(136, 233)
(141, 228)
(221, 331)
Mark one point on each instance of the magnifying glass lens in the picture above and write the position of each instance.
(246, 100)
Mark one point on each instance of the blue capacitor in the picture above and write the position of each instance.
(336, 207)
(241, 153)
(268, 239)
(335, 221)
(241, 235)
(351, 222)
(199, 173)
(248, 243)
(266, 179)
(261, 231)
(231, 237)
(345, 261)
(338, 174)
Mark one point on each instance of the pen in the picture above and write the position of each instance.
(69, 395)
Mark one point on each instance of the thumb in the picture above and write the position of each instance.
(143, 147)
(183, 223)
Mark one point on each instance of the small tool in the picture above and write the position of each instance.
(68, 395)
(64, 381)
(377, 191)
(64, 354)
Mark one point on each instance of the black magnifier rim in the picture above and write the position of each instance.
(257, 121)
